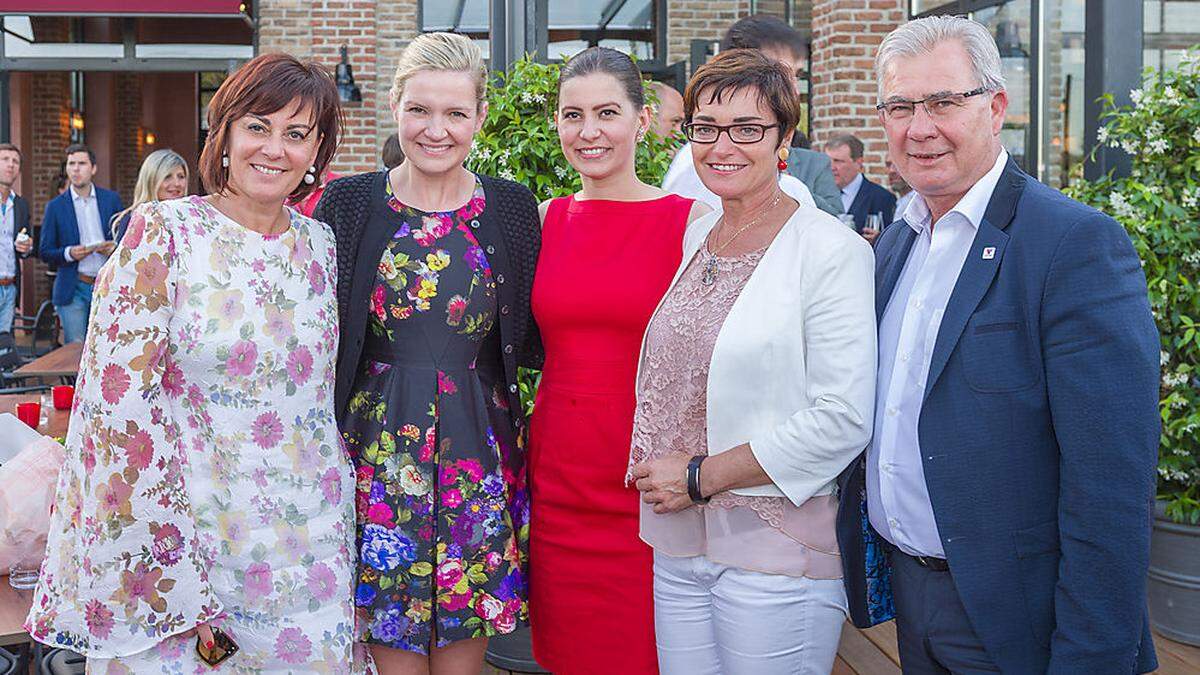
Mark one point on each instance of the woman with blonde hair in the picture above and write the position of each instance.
(163, 176)
(434, 276)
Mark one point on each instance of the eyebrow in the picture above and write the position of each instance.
(898, 99)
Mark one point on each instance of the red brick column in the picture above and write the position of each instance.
(846, 34)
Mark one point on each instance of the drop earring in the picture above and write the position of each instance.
(311, 176)
(641, 135)
(783, 155)
(225, 161)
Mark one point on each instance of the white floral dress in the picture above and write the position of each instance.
(205, 480)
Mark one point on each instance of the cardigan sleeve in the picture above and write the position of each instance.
(810, 448)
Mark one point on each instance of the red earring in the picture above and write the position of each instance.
(782, 165)
(783, 155)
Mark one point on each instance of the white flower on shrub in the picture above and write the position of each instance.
(1163, 357)
(1171, 96)
(1172, 380)
(1121, 206)
(507, 174)
(1158, 146)
(1136, 96)
(1129, 146)
(1190, 199)
(1192, 258)
(1103, 139)
(560, 172)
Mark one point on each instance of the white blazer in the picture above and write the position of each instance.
(793, 368)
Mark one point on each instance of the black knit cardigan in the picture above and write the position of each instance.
(508, 231)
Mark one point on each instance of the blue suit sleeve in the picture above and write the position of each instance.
(1101, 355)
(824, 190)
(51, 249)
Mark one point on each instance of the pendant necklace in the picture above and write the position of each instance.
(709, 276)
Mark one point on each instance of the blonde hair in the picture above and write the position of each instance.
(440, 52)
(155, 169)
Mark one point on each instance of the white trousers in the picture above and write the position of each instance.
(715, 619)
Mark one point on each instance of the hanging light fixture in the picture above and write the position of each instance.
(76, 120)
(347, 91)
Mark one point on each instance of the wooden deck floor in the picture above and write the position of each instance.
(873, 652)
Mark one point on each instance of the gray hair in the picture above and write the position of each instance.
(923, 35)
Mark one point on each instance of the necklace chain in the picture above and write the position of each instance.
(709, 277)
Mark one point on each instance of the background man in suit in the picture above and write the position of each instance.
(77, 239)
(859, 195)
(14, 229)
(808, 178)
(667, 120)
(1011, 474)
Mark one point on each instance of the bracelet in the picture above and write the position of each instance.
(693, 479)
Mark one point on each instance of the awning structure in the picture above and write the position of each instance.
(113, 8)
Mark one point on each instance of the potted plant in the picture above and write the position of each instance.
(1159, 204)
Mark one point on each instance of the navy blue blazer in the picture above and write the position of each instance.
(872, 198)
(1039, 436)
(60, 231)
(20, 222)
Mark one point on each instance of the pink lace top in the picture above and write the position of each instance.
(763, 534)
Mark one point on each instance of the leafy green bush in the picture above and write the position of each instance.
(1159, 204)
(519, 142)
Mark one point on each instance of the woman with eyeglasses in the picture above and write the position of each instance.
(755, 389)
(607, 256)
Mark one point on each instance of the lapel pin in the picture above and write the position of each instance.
(989, 253)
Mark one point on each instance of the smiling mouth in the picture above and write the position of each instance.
(435, 149)
(726, 168)
(591, 153)
(266, 170)
(927, 156)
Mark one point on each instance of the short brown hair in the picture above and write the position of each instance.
(739, 69)
(9, 147)
(80, 147)
(264, 86)
(849, 141)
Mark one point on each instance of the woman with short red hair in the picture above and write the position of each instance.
(205, 509)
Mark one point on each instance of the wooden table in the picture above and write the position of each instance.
(62, 362)
(53, 423)
(14, 606)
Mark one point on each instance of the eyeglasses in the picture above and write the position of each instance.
(937, 106)
(742, 134)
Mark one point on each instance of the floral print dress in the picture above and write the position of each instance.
(205, 480)
(442, 505)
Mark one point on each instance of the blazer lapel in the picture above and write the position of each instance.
(69, 207)
(979, 270)
(370, 247)
(860, 201)
(890, 267)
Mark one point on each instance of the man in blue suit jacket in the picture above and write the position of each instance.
(860, 196)
(77, 239)
(14, 234)
(1003, 508)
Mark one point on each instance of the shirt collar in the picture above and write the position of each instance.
(75, 196)
(972, 206)
(853, 186)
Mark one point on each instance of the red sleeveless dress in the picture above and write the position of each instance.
(603, 267)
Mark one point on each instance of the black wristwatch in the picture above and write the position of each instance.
(693, 480)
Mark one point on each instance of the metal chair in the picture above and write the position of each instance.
(62, 662)
(8, 663)
(513, 652)
(42, 329)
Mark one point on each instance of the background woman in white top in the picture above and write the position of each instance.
(755, 390)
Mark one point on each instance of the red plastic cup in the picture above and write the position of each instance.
(63, 396)
(30, 413)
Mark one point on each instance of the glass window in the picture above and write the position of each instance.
(1171, 26)
(573, 25)
(1010, 23)
(1061, 97)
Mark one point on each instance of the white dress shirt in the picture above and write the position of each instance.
(850, 192)
(682, 179)
(902, 203)
(898, 500)
(87, 215)
(8, 221)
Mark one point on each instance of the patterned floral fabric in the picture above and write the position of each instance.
(204, 479)
(442, 503)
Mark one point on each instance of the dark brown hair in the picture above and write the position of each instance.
(611, 62)
(263, 86)
(80, 147)
(739, 69)
(762, 31)
(9, 147)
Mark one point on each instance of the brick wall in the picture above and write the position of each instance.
(128, 136)
(689, 20)
(374, 31)
(846, 34)
(50, 122)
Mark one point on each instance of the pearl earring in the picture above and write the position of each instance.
(310, 177)
(225, 161)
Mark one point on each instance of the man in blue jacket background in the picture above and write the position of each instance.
(77, 239)
(1002, 510)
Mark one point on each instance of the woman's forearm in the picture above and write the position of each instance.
(735, 468)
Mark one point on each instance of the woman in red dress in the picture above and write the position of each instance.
(608, 254)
